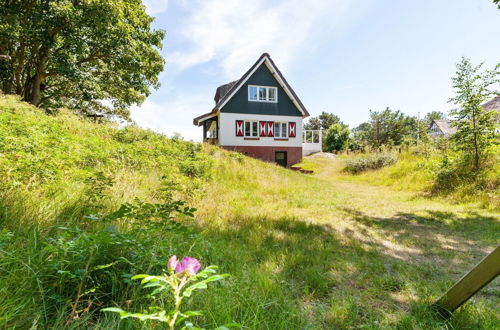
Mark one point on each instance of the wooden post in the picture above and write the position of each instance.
(484, 272)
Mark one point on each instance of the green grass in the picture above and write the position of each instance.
(318, 251)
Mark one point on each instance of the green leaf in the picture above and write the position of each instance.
(113, 310)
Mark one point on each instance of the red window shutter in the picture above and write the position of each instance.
(263, 128)
(270, 128)
(291, 127)
(239, 128)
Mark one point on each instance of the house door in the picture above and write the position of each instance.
(280, 158)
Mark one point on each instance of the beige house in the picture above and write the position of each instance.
(441, 128)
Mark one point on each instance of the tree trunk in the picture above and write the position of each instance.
(35, 95)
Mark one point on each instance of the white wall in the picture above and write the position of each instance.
(227, 130)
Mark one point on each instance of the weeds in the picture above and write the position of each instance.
(370, 162)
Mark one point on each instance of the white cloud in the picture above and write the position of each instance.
(234, 33)
(156, 6)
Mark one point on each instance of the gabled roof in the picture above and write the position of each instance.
(225, 92)
(236, 85)
(223, 89)
(493, 104)
(444, 126)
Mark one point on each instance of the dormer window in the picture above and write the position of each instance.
(262, 94)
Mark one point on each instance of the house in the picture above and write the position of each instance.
(258, 115)
(441, 128)
(493, 105)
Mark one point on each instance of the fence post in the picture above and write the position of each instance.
(482, 274)
(320, 140)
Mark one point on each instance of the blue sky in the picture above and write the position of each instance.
(341, 56)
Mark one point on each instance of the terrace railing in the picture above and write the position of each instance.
(312, 141)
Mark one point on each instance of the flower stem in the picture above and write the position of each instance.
(178, 300)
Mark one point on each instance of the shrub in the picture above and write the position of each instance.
(371, 162)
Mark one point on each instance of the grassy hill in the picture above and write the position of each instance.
(303, 251)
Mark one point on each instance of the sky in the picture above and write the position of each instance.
(340, 56)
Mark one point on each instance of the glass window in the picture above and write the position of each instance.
(280, 130)
(252, 93)
(272, 94)
(262, 94)
(284, 130)
(255, 128)
(247, 129)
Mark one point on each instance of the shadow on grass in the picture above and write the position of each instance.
(322, 278)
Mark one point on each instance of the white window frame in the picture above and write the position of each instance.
(251, 128)
(280, 130)
(267, 100)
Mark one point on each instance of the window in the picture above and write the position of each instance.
(262, 94)
(280, 130)
(251, 128)
(252, 93)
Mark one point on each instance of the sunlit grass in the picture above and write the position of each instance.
(328, 250)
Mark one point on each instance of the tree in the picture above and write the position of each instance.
(475, 126)
(323, 121)
(313, 124)
(360, 136)
(390, 127)
(337, 138)
(497, 2)
(93, 56)
(434, 115)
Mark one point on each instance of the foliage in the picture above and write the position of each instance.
(177, 284)
(434, 115)
(77, 53)
(497, 2)
(385, 128)
(322, 251)
(337, 138)
(370, 162)
(324, 121)
(475, 126)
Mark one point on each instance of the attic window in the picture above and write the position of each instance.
(262, 94)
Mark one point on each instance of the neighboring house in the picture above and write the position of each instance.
(441, 128)
(494, 105)
(258, 115)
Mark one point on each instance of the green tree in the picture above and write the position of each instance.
(497, 2)
(323, 121)
(475, 126)
(434, 115)
(94, 56)
(313, 124)
(360, 136)
(390, 128)
(337, 137)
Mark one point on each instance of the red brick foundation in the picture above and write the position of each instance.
(294, 154)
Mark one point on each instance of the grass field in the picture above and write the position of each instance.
(304, 251)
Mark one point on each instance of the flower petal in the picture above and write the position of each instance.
(173, 262)
(190, 265)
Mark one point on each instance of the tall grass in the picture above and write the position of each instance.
(303, 251)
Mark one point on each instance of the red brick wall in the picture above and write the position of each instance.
(293, 154)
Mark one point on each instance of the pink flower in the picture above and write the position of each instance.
(172, 262)
(187, 266)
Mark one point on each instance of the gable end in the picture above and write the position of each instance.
(264, 73)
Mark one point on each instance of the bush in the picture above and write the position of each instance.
(371, 162)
